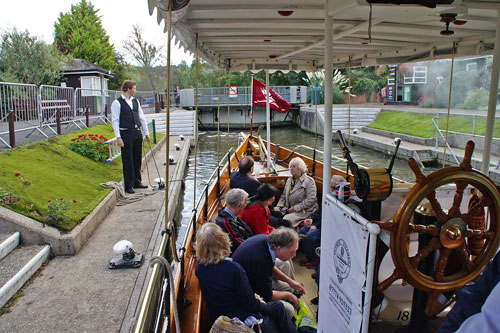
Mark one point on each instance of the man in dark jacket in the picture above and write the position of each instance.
(478, 305)
(243, 177)
(228, 220)
(257, 256)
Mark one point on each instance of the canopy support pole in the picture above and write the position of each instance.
(492, 102)
(268, 122)
(327, 147)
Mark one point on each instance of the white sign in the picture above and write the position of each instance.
(233, 91)
(343, 270)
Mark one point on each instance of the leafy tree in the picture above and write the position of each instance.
(463, 82)
(364, 86)
(80, 33)
(27, 59)
(146, 54)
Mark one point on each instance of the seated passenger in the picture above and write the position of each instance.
(312, 231)
(228, 220)
(243, 177)
(261, 254)
(298, 200)
(225, 287)
(478, 304)
(257, 213)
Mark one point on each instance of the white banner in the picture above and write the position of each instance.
(343, 270)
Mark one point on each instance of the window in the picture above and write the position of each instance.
(471, 67)
(91, 86)
(419, 76)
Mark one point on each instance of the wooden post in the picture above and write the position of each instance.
(12, 129)
(58, 122)
(157, 103)
(106, 112)
(87, 116)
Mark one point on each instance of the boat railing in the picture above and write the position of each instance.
(334, 157)
(149, 309)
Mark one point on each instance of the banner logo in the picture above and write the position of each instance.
(342, 260)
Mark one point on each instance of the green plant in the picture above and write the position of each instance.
(463, 82)
(427, 103)
(7, 197)
(364, 86)
(476, 98)
(56, 210)
(91, 145)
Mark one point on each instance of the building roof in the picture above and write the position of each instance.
(81, 66)
(290, 34)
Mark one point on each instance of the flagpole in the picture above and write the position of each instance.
(268, 122)
(251, 105)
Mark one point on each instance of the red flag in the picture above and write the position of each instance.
(276, 102)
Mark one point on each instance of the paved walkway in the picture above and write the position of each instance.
(80, 293)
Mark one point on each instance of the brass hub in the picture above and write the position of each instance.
(453, 233)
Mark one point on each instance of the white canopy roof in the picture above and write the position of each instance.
(253, 35)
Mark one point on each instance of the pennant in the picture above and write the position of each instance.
(276, 102)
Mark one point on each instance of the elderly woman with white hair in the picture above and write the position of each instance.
(299, 200)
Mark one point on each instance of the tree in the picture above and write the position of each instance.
(27, 59)
(80, 33)
(146, 54)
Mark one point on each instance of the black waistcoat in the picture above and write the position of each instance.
(129, 118)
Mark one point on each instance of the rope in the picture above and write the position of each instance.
(146, 163)
(165, 265)
(449, 104)
(123, 198)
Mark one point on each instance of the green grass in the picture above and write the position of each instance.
(420, 124)
(55, 173)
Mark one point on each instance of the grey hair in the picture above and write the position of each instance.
(298, 162)
(236, 197)
(337, 179)
(282, 237)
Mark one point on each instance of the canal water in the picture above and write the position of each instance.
(285, 137)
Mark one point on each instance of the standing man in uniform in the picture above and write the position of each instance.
(128, 119)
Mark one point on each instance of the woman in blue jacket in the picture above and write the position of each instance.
(225, 287)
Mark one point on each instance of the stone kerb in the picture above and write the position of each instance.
(35, 233)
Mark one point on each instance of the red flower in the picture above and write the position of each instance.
(100, 143)
(17, 174)
(107, 149)
(74, 139)
(49, 201)
(91, 134)
(101, 137)
(74, 201)
(99, 150)
(61, 199)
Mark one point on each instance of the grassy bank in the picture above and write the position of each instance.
(420, 124)
(49, 170)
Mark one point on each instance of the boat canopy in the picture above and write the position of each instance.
(290, 34)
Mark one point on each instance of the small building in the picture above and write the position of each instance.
(90, 81)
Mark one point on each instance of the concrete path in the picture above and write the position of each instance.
(80, 293)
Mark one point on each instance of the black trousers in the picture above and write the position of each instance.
(131, 157)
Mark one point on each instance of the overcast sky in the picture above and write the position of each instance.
(118, 17)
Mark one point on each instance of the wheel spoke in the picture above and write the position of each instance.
(419, 176)
(440, 215)
(457, 199)
(389, 226)
(423, 229)
(433, 245)
(396, 275)
(469, 149)
(431, 300)
(480, 234)
(464, 255)
(442, 262)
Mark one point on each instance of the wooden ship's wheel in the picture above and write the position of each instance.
(450, 234)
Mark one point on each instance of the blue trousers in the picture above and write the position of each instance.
(311, 242)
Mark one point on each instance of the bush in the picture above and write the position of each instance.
(91, 146)
(338, 96)
(463, 82)
(364, 86)
(476, 98)
(427, 103)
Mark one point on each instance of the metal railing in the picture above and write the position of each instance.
(149, 307)
(26, 107)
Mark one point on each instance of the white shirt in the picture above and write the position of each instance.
(115, 116)
(485, 321)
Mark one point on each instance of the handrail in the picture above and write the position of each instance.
(438, 131)
(140, 325)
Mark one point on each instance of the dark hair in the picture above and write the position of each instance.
(245, 165)
(266, 191)
(127, 84)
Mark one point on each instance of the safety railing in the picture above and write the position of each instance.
(152, 314)
(26, 107)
